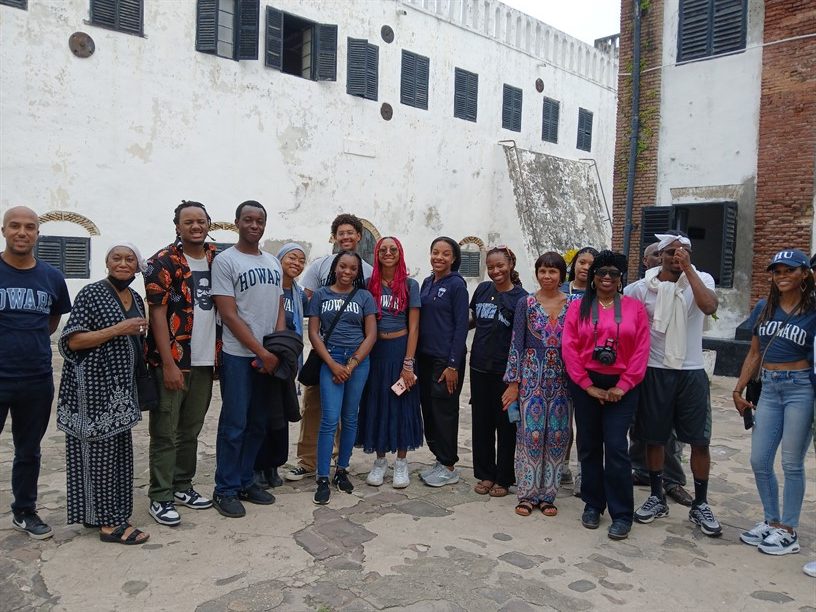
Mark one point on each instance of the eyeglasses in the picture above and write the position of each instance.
(611, 273)
(671, 252)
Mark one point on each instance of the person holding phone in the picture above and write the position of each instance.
(390, 418)
(349, 311)
(441, 358)
(781, 351)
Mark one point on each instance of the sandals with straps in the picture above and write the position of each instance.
(117, 536)
(548, 509)
(524, 508)
(483, 487)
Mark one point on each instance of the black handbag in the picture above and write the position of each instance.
(147, 387)
(310, 372)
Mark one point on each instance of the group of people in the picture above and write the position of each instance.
(385, 372)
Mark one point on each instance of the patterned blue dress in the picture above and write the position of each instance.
(542, 434)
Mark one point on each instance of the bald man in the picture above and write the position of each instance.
(33, 297)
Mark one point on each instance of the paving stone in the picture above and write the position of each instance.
(611, 563)
(521, 560)
(771, 596)
(503, 537)
(422, 509)
(582, 586)
(132, 587)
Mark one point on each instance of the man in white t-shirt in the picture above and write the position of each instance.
(675, 390)
(347, 232)
(248, 292)
(182, 349)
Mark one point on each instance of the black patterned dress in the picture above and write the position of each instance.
(97, 408)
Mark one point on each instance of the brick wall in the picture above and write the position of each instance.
(645, 188)
(787, 136)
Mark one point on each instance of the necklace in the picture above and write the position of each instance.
(606, 304)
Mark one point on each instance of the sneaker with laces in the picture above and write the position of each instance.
(256, 495)
(341, 481)
(298, 473)
(703, 516)
(377, 473)
(228, 505)
(442, 477)
(755, 535)
(32, 524)
(401, 478)
(428, 471)
(192, 499)
(323, 493)
(164, 513)
(653, 508)
(780, 542)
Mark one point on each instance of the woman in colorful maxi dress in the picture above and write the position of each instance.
(537, 380)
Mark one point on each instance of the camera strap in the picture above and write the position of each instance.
(618, 317)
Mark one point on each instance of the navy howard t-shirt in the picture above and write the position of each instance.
(493, 313)
(794, 341)
(391, 322)
(348, 333)
(27, 299)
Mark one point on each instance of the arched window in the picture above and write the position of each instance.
(59, 246)
(366, 247)
(472, 256)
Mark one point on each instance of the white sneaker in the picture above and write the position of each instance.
(755, 535)
(401, 478)
(442, 477)
(780, 542)
(810, 569)
(428, 471)
(377, 473)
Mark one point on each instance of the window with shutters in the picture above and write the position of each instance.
(465, 94)
(228, 28)
(361, 68)
(471, 266)
(20, 4)
(711, 227)
(710, 27)
(549, 121)
(584, 130)
(414, 80)
(120, 15)
(69, 255)
(300, 47)
(511, 108)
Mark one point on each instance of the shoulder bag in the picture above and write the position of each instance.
(310, 372)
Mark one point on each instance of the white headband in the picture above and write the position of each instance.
(132, 247)
(667, 239)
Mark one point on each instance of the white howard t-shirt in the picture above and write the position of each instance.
(202, 338)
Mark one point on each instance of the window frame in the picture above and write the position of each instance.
(512, 107)
(115, 7)
(690, 43)
(550, 120)
(362, 68)
(62, 244)
(323, 42)
(465, 94)
(584, 136)
(415, 71)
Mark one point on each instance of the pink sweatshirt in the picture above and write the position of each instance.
(578, 342)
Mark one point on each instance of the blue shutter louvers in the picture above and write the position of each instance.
(249, 13)
(372, 71)
(362, 68)
(326, 52)
(710, 27)
(206, 26)
(511, 108)
(584, 141)
(121, 15)
(549, 120)
(729, 244)
(414, 80)
(465, 94)
(69, 255)
(274, 38)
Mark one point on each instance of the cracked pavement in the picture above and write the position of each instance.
(418, 548)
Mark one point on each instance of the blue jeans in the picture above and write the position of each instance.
(339, 401)
(242, 425)
(784, 414)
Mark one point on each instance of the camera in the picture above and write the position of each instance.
(605, 354)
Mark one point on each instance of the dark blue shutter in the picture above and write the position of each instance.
(473, 96)
(423, 74)
(49, 250)
(694, 30)
(471, 264)
(414, 80)
(356, 67)
(549, 120)
(69, 255)
(729, 244)
(249, 15)
(511, 108)
(103, 12)
(584, 130)
(728, 26)
(465, 94)
(131, 16)
(654, 220)
(326, 47)
(372, 71)
(274, 38)
(206, 26)
(20, 4)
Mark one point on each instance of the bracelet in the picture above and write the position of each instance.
(354, 359)
(452, 368)
(736, 391)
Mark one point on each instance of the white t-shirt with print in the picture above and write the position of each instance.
(202, 338)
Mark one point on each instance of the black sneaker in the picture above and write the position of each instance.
(228, 505)
(323, 493)
(591, 518)
(32, 524)
(256, 495)
(341, 481)
(619, 530)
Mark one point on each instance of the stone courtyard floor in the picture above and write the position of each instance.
(415, 549)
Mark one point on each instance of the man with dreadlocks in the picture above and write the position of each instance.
(182, 343)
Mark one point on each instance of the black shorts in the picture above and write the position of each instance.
(674, 398)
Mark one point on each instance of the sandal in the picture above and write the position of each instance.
(548, 509)
(117, 536)
(524, 508)
(483, 487)
(498, 491)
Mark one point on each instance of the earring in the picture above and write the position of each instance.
(620, 287)
(592, 284)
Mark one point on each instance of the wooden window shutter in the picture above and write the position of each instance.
(511, 108)
(473, 96)
(76, 257)
(549, 121)
(356, 67)
(471, 264)
(274, 38)
(20, 4)
(693, 30)
(248, 18)
(206, 26)
(423, 74)
(103, 12)
(326, 52)
(728, 26)
(408, 79)
(465, 95)
(654, 220)
(130, 17)
(372, 71)
(49, 249)
(729, 244)
(584, 141)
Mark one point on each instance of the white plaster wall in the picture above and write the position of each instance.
(709, 137)
(123, 136)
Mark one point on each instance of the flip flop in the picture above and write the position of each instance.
(524, 508)
(117, 535)
(498, 491)
(482, 487)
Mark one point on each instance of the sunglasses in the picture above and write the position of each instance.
(392, 249)
(611, 273)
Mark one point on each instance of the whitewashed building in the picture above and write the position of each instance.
(423, 117)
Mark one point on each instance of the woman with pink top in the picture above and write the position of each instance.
(606, 348)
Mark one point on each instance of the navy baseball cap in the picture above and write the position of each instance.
(792, 258)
